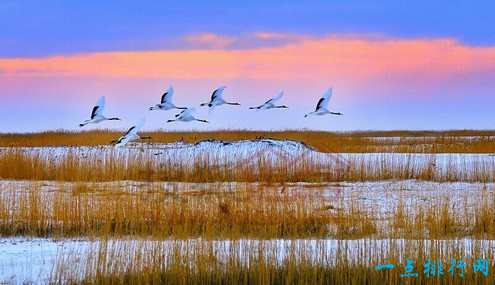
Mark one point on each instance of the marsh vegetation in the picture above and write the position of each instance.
(134, 217)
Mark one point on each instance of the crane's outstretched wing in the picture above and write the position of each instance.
(217, 93)
(128, 136)
(167, 96)
(275, 99)
(136, 127)
(187, 111)
(323, 103)
(98, 108)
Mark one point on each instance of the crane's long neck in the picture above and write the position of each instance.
(114, 119)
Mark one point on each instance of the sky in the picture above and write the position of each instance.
(415, 65)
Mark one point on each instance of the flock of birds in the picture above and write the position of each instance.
(186, 114)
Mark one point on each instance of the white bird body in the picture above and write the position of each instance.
(166, 102)
(321, 107)
(186, 116)
(270, 104)
(131, 135)
(97, 114)
(217, 100)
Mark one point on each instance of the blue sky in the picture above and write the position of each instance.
(392, 64)
(40, 28)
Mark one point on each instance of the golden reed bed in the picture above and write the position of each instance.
(454, 141)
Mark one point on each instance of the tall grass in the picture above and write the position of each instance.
(145, 233)
(86, 210)
(173, 232)
(108, 164)
(453, 141)
(98, 164)
(244, 210)
(268, 262)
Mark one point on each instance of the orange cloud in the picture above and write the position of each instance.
(348, 60)
(209, 41)
(280, 36)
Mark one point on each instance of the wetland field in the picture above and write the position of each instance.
(248, 207)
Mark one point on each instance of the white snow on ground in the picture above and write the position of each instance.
(284, 153)
(464, 167)
(379, 197)
(30, 260)
(179, 151)
(35, 260)
(212, 152)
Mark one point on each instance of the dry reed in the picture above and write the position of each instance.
(453, 141)
(268, 262)
(142, 164)
(222, 210)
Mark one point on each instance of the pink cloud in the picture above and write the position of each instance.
(280, 36)
(209, 41)
(346, 60)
